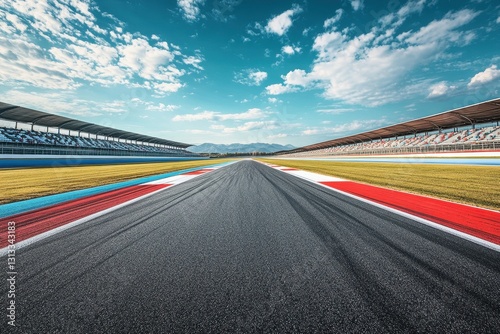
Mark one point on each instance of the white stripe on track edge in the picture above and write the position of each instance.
(438, 226)
(18, 245)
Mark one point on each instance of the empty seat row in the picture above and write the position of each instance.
(469, 136)
(9, 135)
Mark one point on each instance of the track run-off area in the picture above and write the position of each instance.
(247, 248)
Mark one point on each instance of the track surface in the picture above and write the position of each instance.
(250, 249)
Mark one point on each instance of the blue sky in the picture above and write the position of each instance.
(226, 71)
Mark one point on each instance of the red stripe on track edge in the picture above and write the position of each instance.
(481, 223)
(38, 221)
(198, 172)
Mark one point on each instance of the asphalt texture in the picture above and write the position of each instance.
(249, 249)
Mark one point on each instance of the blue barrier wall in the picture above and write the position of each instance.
(44, 201)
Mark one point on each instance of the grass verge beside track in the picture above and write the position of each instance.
(475, 185)
(27, 183)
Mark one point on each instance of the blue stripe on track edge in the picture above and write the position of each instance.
(15, 208)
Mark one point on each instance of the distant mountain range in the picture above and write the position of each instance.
(239, 148)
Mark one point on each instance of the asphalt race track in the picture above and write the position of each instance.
(250, 249)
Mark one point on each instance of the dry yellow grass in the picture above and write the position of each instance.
(475, 185)
(21, 184)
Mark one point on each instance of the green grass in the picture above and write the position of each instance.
(475, 185)
(22, 184)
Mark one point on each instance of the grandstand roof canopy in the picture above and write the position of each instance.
(30, 116)
(484, 112)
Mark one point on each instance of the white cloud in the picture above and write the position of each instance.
(290, 49)
(357, 4)
(114, 107)
(396, 19)
(16, 22)
(253, 113)
(331, 21)
(24, 63)
(151, 106)
(166, 87)
(274, 100)
(146, 60)
(250, 77)
(255, 29)
(326, 44)
(194, 61)
(440, 89)
(62, 103)
(190, 9)
(370, 68)
(250, 126)
(75, 51)
(277, 89)
(498, 20)
(280, 24)
(162, 107)
(203, 116)
(445, 28)
(257, 77)
(488, 75)
(297, 78)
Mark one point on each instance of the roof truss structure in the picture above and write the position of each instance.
(34, 117)
(484, 112)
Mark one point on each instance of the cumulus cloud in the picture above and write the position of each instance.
(280, 24)
(194, 61)
(151, 106)
(369, 68)
(250, 77)
(77, 50)
(277, 89)
(146, 60)
(488, 75)
(203, 116)
(357, 4)
(190, 9)
(440, 89)
(331, 21)
(290, 49)
(252, 113)
(257, 77)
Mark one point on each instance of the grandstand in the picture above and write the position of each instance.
(25, 131)
(472, 128)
